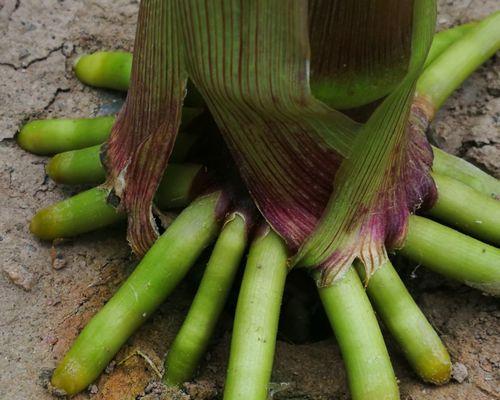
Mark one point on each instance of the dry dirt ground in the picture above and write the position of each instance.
(43, 308)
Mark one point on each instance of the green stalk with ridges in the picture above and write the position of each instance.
(410, 328)
(454, 65)
(369, 369)
(193, 338)
(467, 209)
(89, 210)
(45, 137)
(158, 273)
(453, 254)
(256, 319)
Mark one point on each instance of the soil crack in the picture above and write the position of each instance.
(25, 66)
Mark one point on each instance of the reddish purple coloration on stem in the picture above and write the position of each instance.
(414, 188)
(251, 63)
(143, 137)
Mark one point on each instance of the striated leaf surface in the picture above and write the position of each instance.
(143, 137)
(271, 72)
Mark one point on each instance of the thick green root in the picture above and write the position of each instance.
(192, 340)
(457, 168)
(416, 337)
(453, 254)
(369, 369)
(89, 210)
(77, 167)
(256, 320)
(107, 69)
(464, 56)
(152, 281)
(46, 137)
(467, 209)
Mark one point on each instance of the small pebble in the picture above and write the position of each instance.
(59, 262)
(459, 372)
(110, 368)
(50, 339)
(67, 48)
(20, 276)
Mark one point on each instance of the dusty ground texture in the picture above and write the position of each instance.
(42, 309)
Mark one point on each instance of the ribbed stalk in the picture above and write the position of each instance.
(467, 209)
(256, 320)
(410, 328)
(453, 254)
(369, 369)
(454, 65)
(52, 136)
(88, 211)
(193, 338)
(463, 171)
(152, 281)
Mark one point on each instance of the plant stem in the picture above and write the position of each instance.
(256, 320)
(463, 171)
(369, 369)
(192, 340)
(453, 254)
(51, 136)
(419, 341)
(89, 210)
(152, 281)
(467, 209)
(454, 65)
(444, 39)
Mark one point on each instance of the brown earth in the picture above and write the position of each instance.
(42, 309)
